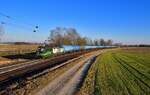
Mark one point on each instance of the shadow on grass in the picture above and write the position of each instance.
(22, 56)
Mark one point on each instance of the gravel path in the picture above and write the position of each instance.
(69, 82)
(74, 84)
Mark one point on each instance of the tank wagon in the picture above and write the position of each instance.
(45, 51)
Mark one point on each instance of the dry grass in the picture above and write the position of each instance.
(16, 49)
(6, 50)
(88, 85)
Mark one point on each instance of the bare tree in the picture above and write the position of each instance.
(69, 36)
(81, 41)
(88, 41)
(64, 36)
(72, 36)
(109, 42)
(56, 37)
(102, 42)
(96, 42)
(66, 41)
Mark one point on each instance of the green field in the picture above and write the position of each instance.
(120, 72)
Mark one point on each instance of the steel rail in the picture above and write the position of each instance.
(10, 72)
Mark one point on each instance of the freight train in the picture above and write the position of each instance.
(45, 51)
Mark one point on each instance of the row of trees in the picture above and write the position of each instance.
(69, 36)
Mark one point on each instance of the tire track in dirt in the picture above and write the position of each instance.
(126, 67)
(136, 81)
(134, 68)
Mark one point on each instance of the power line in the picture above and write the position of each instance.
(5, 15)
(16, 25)
(25, 26)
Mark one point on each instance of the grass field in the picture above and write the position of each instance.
(120, 72)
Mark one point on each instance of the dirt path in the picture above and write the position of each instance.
(68, 82)
(74, 84)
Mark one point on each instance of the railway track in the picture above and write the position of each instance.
(4, 68)
(10, 72)
(70, 81)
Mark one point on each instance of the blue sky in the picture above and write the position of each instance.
(126, 21)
